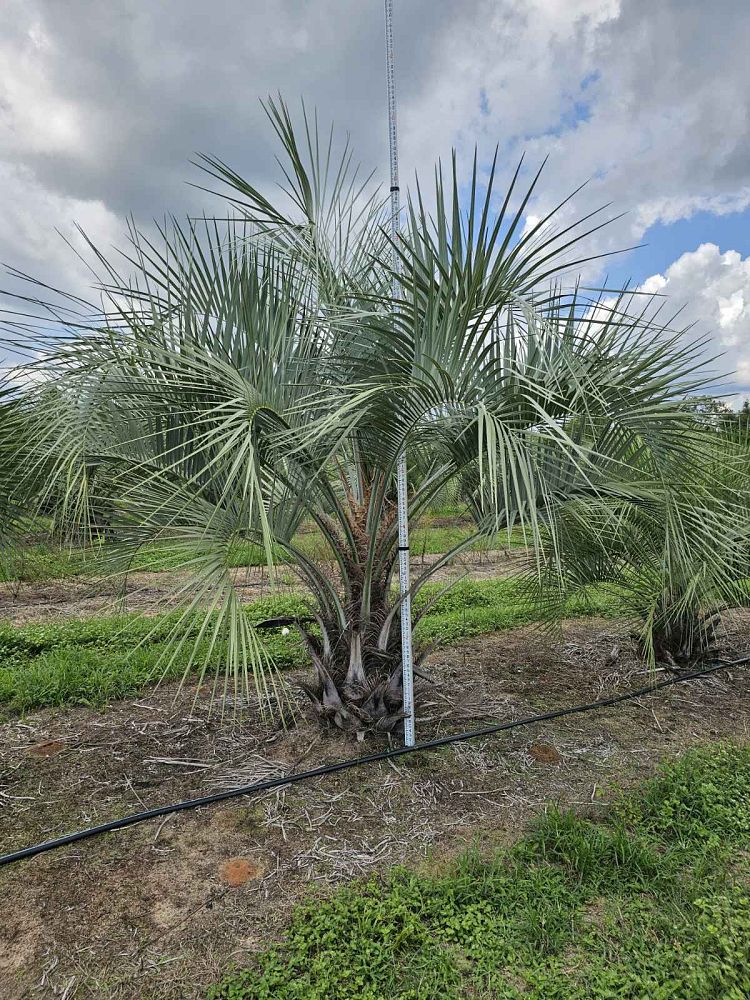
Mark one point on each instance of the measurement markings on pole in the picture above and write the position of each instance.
(407, 665)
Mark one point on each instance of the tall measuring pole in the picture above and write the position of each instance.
(407, 659)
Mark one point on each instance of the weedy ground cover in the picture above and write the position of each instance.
(652, 901)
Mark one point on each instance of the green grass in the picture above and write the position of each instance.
(92, 661)
(96, 660)
(650, 903)
(475, 607)
(44, 561)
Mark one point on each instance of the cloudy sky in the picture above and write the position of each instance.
(102, 107)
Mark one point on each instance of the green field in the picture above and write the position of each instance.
(96, 660)
(44, 560)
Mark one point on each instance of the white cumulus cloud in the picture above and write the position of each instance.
(714, 289)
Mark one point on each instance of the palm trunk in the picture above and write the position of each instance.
(357, 684)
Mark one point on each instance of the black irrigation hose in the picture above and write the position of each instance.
(344, 765)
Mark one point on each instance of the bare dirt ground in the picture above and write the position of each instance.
(80, 597)
(161, 909)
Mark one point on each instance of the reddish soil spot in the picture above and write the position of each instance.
(545, 753)
(237, 871)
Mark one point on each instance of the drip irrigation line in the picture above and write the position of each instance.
(345, 765)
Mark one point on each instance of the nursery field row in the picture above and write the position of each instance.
(95, 660)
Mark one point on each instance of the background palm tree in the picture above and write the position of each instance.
(675, 566)
(246, 373)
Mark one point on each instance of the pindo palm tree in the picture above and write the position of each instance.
(247, 373)
(677, 568)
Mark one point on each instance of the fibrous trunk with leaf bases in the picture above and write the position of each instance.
(246, 374)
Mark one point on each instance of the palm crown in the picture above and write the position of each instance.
(252, 372)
